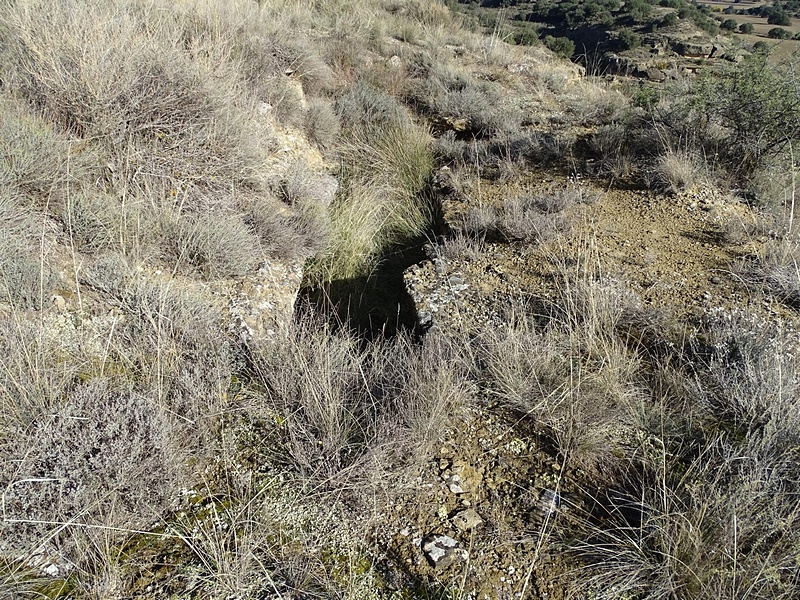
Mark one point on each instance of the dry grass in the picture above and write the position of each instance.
(382, 201)
(120, 119)
(531, 218)
(217, 246)
(95, 71)
(573, 379)
(712, 512)
(136, 140)
(26, 278)
(776, 270)
(677, 171)
(341, 404)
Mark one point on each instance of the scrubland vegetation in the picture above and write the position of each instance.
(155, 154)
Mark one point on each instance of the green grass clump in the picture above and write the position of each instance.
(381, 202)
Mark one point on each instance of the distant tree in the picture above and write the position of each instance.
(526, 37)
(669, 19)
(706, 24)
(779, 17)
(562, 46)
(728, 25)
(639, 10)
(779, 33)
(746, 28)
(628, 38)
(761, 47)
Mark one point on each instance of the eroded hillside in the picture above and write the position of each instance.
(347, 300)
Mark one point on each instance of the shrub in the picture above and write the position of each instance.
(778, 33)
(628, 39)
(363, 107)
(776, 270)
(322, 124)
(639, 10)
(762, 47)
(526, 37)
(37, 161)
(646, 96)
(170, 344)
(669, 20)
(26, 278)
(728, 25)
(106, 456)
(469, 105)
(563, 47)
(746, 28)
(283, 233)
(677, 171)
(532, 218)
(218, 246)
(707, 24)
(757, 108)
(96, 222)
(779, 17)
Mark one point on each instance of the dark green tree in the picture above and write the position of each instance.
(779, 33)
(562, 46)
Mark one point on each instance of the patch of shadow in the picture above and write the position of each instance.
(374, 306)
(707, 236)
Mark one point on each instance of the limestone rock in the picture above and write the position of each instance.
(263, 304)
(549, 503)
(694, 48)
(442, 551)
(467, 519)
(656, 75)
(454, 484)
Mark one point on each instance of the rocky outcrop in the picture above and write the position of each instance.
(694, 48)
(262, 305)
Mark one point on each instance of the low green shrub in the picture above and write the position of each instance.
(755, 103)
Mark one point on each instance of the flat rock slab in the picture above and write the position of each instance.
(467, 519)
(443, 551)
